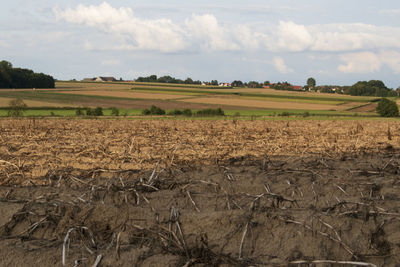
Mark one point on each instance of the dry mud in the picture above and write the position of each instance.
(245, 212)
(122, 193)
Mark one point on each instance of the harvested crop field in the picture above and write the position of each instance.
(4, 102)
(243, 102)
(199, 193)
(125, 94)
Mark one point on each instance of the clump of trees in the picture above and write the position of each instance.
(23, 78)
(114, 111)
(98, 111)
(166, 79)
(387, 108)
(209, 112)
(154, 110)
(282, 86)
(370, 88)
(177, 112)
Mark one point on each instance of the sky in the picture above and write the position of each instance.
(336, 42)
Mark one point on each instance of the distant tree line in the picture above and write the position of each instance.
(208, 112)
(166, 79)
(371, 88)
(23, 78)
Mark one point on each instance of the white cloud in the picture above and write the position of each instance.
(206, 29)
(351, 37)
(293, 37)
(134, 33)
(368, 62)
(391, 59)
(280, 65)
(130, 32)
(363, 62)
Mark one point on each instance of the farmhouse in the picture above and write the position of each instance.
(297, 87)
(105, 79)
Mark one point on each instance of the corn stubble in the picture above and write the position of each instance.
(199, 193)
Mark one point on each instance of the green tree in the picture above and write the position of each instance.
(79, 112)
(387, 108)
(311, 83)
(189, 81)
(214, 82)
(370, 88)
(98, 111)
(16, 107)
(114, 111)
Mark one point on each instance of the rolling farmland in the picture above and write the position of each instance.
(143, 95)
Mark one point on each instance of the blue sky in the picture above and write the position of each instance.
(336, 42)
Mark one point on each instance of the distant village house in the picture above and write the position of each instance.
(100, 79)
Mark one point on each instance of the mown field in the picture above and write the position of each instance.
(199, 193)
(136, 96)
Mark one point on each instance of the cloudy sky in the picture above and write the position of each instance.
(336, 42)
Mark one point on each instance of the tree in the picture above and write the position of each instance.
(387, 108)
(254, 84)
(98, 111)
(214, 82)
(370, 88)
(114, 111)
(16, 107)
(79, 112)
(237, 83)
(189, 81)
(23, 78)
(311, 83)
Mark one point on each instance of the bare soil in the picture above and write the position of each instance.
(242, 212)
(226, 194)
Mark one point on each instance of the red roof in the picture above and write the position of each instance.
(297, 87)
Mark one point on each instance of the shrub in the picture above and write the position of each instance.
(285, 114)
(89, 112)
(114, 111)
(154, 110)
(210, 112)
(146, 112)
(79, 112)
(98, 111)
(387, 108)
(187, 112)
(175, 112)
(16, 107)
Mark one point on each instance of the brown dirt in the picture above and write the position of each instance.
(366, 108)
(237, 213)
(124, 94)
(198, 193)
(241, 102)
(4, 102)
